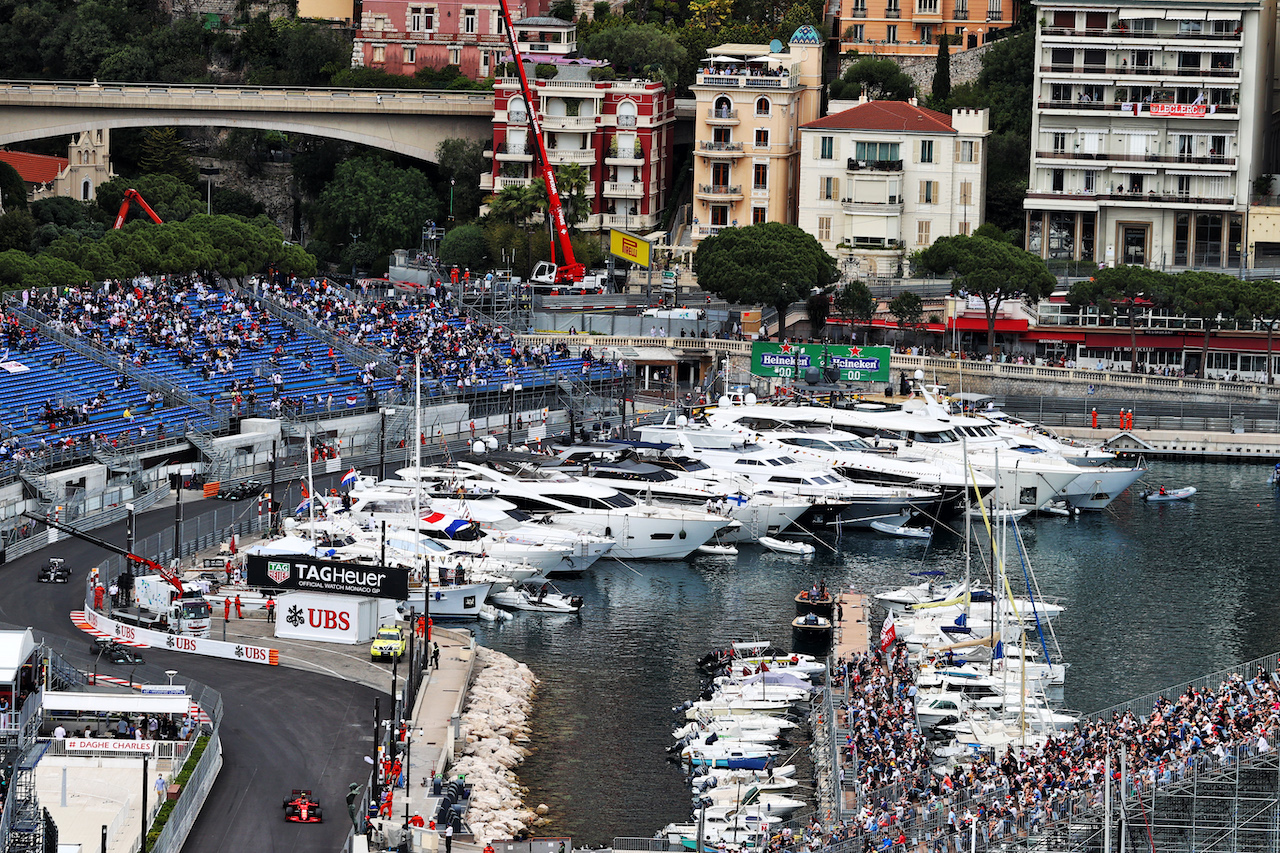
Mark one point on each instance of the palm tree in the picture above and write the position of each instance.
(514, 204)
(571, 182)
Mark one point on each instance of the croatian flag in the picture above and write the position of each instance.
(349, 479)
(888, 634)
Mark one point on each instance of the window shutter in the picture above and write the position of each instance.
(935, 197)
(977, 151)
(922, 186)
(955, 147)
(915, 152)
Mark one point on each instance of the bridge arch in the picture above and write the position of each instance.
(412, 123)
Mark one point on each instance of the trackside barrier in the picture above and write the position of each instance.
(180, 642)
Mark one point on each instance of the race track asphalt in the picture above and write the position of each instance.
(282, 728)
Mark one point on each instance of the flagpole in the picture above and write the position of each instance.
(311, 487)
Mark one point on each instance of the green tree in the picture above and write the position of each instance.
(562, 9)
(17, 228)
(641, 50)
(169, 197)
(18, 269)
(942, 74)
(768, 264)
(164, 154)
(1261, 299)
(1209, 296)
(465, 246)
(571, 185)
(881, 79)
(229, 201)
(994, 272)
(238, 247)
(13, 191)
(382, 203)
(855, 302)
(991, 231)
(295, 260)
(1126, 288)
(908, 309)
(461, 163)
(818, 308)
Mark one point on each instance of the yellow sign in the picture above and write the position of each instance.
(629, 247)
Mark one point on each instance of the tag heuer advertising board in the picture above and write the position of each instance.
(856, 364)
(281, 573)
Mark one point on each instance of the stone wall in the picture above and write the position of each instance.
(965, 66)
(272, 185)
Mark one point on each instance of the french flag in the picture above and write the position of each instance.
(349, 479)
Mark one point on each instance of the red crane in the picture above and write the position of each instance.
(133, 196)
(570, 271)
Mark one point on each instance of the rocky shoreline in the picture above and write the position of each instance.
(495, 732)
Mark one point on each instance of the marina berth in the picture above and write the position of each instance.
(641, 530)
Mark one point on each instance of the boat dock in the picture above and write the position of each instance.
(1178, 444)
(852, 633)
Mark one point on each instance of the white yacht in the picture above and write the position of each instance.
(398, 509)
(779, 471)
(617, 464)
(642, 531)
(1025, 482)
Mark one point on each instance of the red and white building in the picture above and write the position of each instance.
(403, 36)
(620, 131)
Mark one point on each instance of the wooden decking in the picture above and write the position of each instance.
(852, 633)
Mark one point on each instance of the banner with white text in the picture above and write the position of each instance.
(856, 364)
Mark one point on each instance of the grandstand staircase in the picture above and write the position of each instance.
(219, 464)
(29, 822)
(34, 474)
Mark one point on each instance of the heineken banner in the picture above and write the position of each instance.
(856, 364)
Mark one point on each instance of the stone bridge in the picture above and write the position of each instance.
(410, 122)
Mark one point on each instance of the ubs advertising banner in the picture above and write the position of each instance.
(856, 364)
(315, 575)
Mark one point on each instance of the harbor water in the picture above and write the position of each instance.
(1156, 594)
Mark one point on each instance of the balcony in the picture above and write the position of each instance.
(1118, 33)
(486, 181)
(893, 13)
(571, 155)
(723, 117)
(624, 189)
(517, 117)
(960, 14)
(720, 192)
(1211, 110)
(502, 182)
(516, 152)
(573, 123)
(626, 121)
(625, 156)
(1141, 70)
(1135, 199)
(632, 222)
(890, 207)
(703, 231)
(873, 165)
(929, 9)
(719, 149)
(859, 12)
(1213, 160)
(721, 79)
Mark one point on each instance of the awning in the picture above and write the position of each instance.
(15, 648)
(120, 703)
(979, 324)
(1136, 14)
(1130, 131)
(1130, 170)
(1119, 339)
(1229, 15)
(1184, 14)
(643, 355)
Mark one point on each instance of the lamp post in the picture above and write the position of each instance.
(209, 173)
(171, 673)
(452, 181)
(513, 387)
(355, 238)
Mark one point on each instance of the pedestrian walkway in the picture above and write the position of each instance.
(852, 631)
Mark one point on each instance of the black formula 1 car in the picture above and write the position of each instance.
(114, 652)
(54, 571)
(302, 808)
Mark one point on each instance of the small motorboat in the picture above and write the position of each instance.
(812, 623)
(997, 514)
(1273, 479)
(718, 550)
(537, 597)
(1163, 494)
(816, 600)
(786, 546)
(900, 526)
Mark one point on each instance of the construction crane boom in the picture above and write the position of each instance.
(570, 271)
(135, 197)
(109, 546)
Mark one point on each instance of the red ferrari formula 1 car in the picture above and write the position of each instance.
(301, 808)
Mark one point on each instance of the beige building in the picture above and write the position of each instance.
(752, 100)
(78, 175)
(887, 178)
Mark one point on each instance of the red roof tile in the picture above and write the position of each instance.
(34, 168)
(898, 116)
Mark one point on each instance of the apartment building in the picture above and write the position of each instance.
(620, 131)
(886, 178)
(751, 101)
(910, 27)
(402, 36)
(1150, 124)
